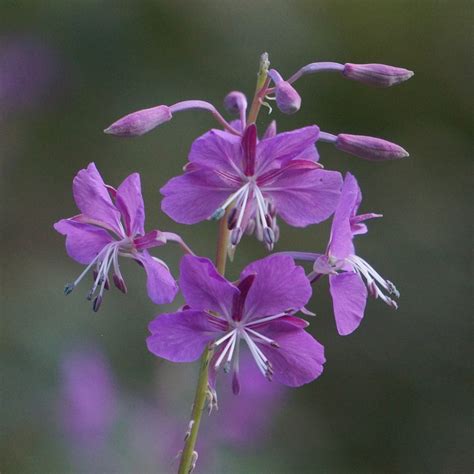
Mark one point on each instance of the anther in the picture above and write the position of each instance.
(236, 235)
(232, 219)
(269, 236)
(68, 288)
(97, 302)
(392, 289)
(226, 367)
(119, 283)
(218, 213)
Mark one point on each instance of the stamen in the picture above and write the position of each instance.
(268, 234)
(257, 354)
(97, 302)
(236, 235)
(222, 339)
(232, 219)
(220, 211)
(372, 278)
(229, 346)
(264, 338)
(264, 320)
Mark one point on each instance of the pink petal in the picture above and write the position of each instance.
(279, 285)
(305, 196)
(299, 358)
(340, 242)
(277, 151)
(93, 199)
(181, 336)
(218, 149)
(129, 201)
(349, 296)
(83, 241)
(194, 196)
(204, 288)
(161, 286)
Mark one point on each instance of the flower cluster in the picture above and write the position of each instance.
(251, 180)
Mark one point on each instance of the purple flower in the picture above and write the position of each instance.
(111, 224)
(256, 180)
(346, 270)
(258, 309)
(88, 404)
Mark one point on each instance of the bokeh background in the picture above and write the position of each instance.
(80, 392)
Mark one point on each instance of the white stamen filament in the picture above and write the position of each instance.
(261, 206)
(372, 278)
(228, 348)
(243, 205)
(106, 270)
(261, 336)
(268, 318)
(103, 265)
(234, 196)
(260, 359)
(224, 338)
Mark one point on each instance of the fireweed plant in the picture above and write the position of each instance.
(247, 181)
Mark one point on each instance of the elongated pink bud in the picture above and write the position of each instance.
(370, 148)
(378, 75)
(140, 122)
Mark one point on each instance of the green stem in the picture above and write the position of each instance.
(188, 458)
(189, 455)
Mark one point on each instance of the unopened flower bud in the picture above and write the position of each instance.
(287, 99)
(140, 122)
(369, 148)
(379, 75)
(235, 102)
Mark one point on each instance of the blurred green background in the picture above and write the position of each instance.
(395, 396)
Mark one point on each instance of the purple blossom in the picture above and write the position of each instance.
(256, 180)
(111, 224)
(258, 309)
(346, 270)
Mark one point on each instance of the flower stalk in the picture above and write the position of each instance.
(188, 455)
